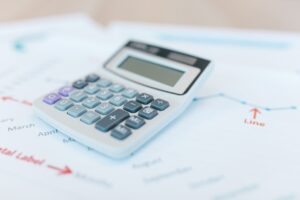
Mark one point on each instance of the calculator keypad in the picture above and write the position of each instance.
(109, 106)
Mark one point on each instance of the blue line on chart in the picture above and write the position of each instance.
(19, 44)
(231, 98)
(226, 41)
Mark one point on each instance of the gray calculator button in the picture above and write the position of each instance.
(116, 88)
(91, 102)
(120, 132)
(92, 78)
(76, 111)
(117, 100)
(104, 83)
(148, 113)
(91, 89)
(132, 106)
(104, 108)
(144, 98)
(78, 96)
(159, 104)
(63, 104)
(79, 84)
(112, 120)
(104, 94)
(134, 122)
(129, 93)
(90, 117)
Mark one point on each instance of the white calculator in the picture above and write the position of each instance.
(121, 106)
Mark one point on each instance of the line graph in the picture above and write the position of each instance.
(12, 99)
(227, 41)
(243, 102)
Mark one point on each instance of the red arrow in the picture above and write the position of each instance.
(64, 171)
(255, 111)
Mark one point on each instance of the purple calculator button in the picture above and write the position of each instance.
(51, 98)
(65, 91)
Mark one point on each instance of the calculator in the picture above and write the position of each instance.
(136, 93)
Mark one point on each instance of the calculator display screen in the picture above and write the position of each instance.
(154, 71)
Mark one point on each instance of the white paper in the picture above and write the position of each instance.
(215, 150)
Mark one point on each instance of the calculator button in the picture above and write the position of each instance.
(116, 88)
(51, 98)
(104, 108)
(144, 98)
(134, 122)
(78, 96)
(104, 83)
(90, 117)
(129, 93)
(148, 113)
(79, 84)
(63, 104)
(120, 132)
(104, 94)
(112, 120)
(76, 111)
(91, 102)
(132, 106)
(117, 100)
(159, 104)
(92, 78)
(65, 91)
(91, 89)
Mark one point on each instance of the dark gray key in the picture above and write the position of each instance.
(92, 78)
(112, 120)
(148, 113)
(120, 132)
(134, 122)
(144, 98)
(79, 84)
(132, 106)
(159, 104)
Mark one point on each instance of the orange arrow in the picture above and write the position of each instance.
(64, 171)
(255, 111)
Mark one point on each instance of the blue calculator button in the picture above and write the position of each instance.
(117, 100)
(134, 122)
(79, 84)
(78, 96)
(91, 89)
(91, 102)
(148, 113)
(104, 108)
(104, 94)
(116, 88)
(63, 104)
(112, 120)
(132, 106)
(120, 132)
(159, 104)
(65, 91)
(90, 117)
(103, 83)
(92, 78)
(144, 98)
(76, 111)
(129, 93)
(51, 98)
